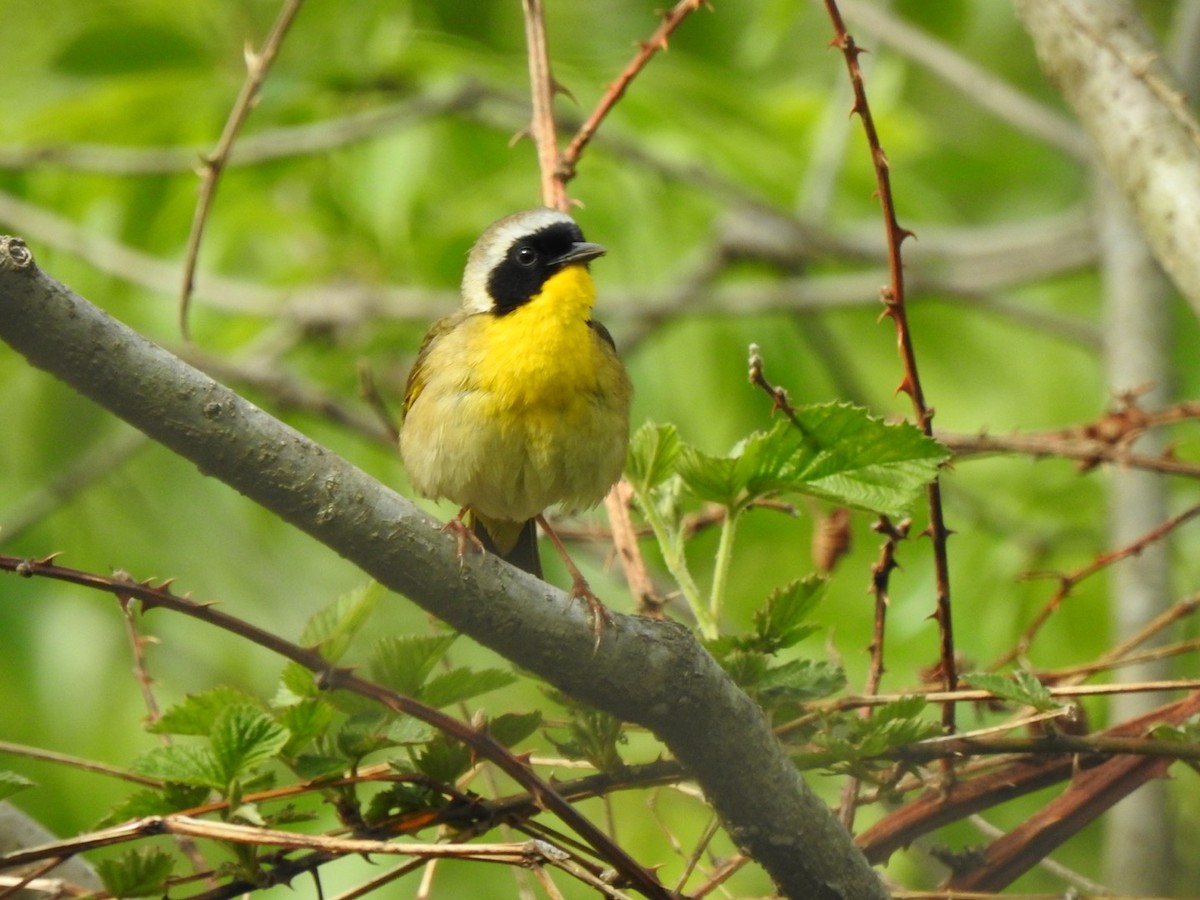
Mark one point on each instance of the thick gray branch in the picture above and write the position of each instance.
(1102, 58)
(648, 672)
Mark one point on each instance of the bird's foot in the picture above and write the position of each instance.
(463, 535)
(601, 615)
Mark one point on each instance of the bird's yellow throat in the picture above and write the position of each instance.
(542, 353)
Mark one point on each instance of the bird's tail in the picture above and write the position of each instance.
(514, 542)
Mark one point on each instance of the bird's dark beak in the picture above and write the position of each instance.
(580, 252)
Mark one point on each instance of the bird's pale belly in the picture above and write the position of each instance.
(511, 460)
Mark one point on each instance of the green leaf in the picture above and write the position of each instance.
(197, 712)
(842, 454)
(305, 722)
(593, 735)
(512, 728)
(799, 680)
(405, 731)
(780, 622)
(331, 629)
(1022, 688)
(12, 783)
(138, 872)
(746, 667)
(296, 684)
(371, 731)
(851, 457)
(403, 662)
(182, 764)
(243, 738)
(171, 798)
(444, 759)
(653, 450)
(462, 684)
(850, 742)
(314, 767)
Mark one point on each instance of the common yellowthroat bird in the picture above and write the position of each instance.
(518, 402)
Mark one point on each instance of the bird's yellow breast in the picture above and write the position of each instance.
(541, 356)
(516, 412)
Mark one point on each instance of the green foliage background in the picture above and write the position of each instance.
(737, 116)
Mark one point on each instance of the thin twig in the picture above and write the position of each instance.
(1068, 581)
(894, 308)
(257, 66)
(541, 87)
(332, 677)
(76, 762)
(646, 50)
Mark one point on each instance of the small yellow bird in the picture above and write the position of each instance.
(518, 402)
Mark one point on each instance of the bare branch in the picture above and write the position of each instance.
(257, 66)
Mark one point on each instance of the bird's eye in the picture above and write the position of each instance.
(525, 255)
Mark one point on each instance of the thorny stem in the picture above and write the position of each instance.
(1068, 581)
(616, 90)
(894, 308)
(332, 677)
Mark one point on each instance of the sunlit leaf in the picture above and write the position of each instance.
(463, 684)
(244, 738)
(1022, 688)
(331, 629)
(781, 621)
(197, 712)
(653, 450)
(403, 662)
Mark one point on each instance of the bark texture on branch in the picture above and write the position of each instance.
(1101, 57)
(649, 672)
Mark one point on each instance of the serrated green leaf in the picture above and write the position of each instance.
(296, 683)
(243, 738)
(799, 680)
(183, 764)
(315, 767)
(593, 735)
(12, 783)
(305, 722)
(462, 684)
(512, 728)
(331, 629)
(905, 708)
(444, 759)
(780, 622)
(843, 454)
(138, 872)
(746, 667)
(197, 712)
(406, 731)
(851, 457)
(1022, 688)
(403, 662)
(169, 799)
(653, 450)
(365, 733)
(850, 744)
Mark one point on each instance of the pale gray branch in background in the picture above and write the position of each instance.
(1102, 58)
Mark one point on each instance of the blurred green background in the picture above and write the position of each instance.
(328, 248)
